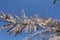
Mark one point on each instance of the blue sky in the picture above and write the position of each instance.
(44, 8)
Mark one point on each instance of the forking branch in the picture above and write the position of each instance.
(18, 25)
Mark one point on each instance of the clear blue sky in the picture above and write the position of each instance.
(44, 8)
